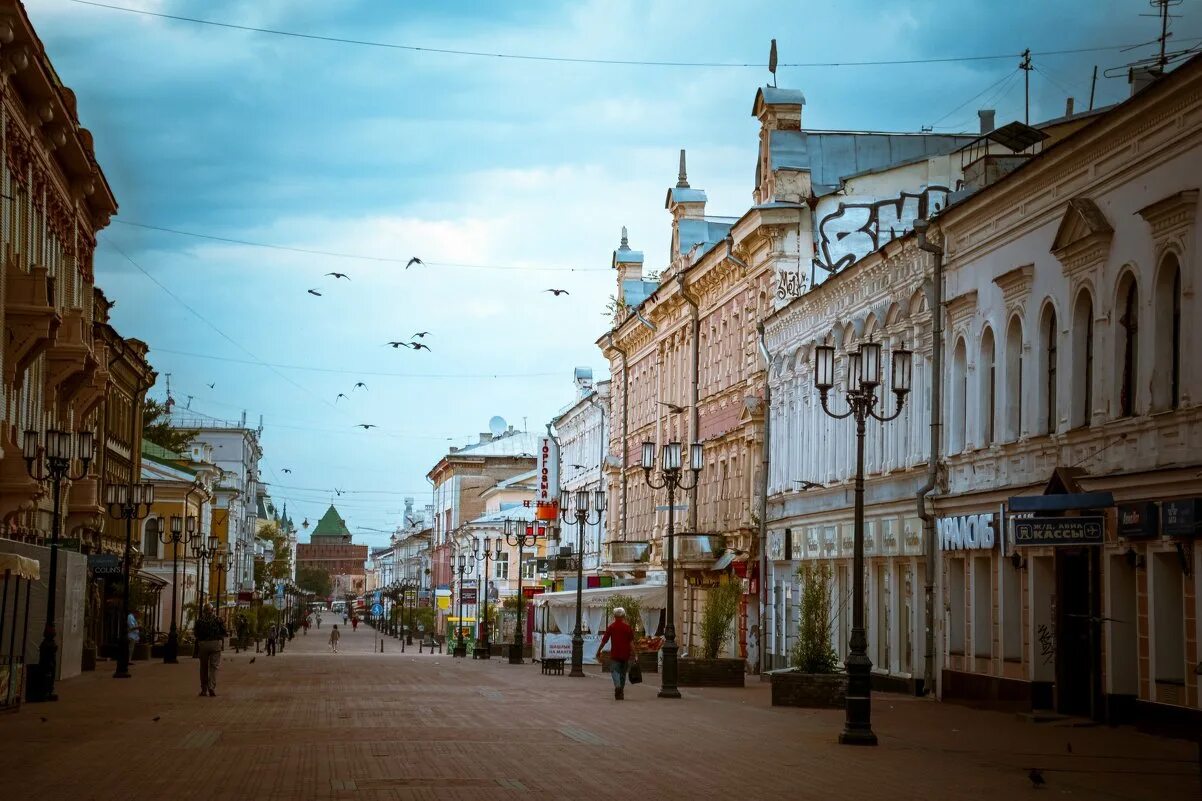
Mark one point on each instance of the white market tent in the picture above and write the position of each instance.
(561, 605)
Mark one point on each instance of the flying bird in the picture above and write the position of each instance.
(1036, 777)
(419, 346)
(804, 485)
(672, 407)
(366, 426)
(285, 470)
(314, 292)
(421, 334)
(341, 395)
(214, 384)
(578, 467)
(413, 261)
(396, 345)
(357, 385)
(337, 491)
(558, 292)
(340, 275)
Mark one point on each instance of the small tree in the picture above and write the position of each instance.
(721, 604)
(157, 428)
(634, 610)
(812, 652)
(315, 580)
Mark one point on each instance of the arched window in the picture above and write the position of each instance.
(987, 372)
(1128, 342)
(1166, 386)
(1014, 379)
(1048, 353)
(1082, 396)
(959, 399)
(150, 538)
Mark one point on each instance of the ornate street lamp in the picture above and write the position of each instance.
(670, 476)
(519, 534)
(863, 377)
(204, 550)
(53, 462)
(129, 503)
(175, 537)
(484, 555)
(222, 562)
(460, 567)
(585, 502)
(409, 586)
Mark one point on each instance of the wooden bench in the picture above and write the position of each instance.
(553, 667)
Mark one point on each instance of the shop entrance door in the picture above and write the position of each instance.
(1078, 646)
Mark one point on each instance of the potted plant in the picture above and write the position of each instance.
(634, 613)
(814, 681)
(711, 670)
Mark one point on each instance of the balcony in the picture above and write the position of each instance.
(30, 317)
(628, 555)
(698, 551)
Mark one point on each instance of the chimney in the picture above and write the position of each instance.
(628, 263)
(1068, 107)
(986, 115)
(485, 436)
(1141, 77)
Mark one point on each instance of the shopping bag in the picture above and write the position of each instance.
(635, 673)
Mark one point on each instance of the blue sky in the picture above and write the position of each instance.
(468, 160)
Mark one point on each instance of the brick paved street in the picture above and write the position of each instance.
(308, 724)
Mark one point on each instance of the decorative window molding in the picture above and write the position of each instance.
(1083, 239)
(1015, 286)
(1171, 219)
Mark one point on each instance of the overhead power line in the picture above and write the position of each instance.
(582, 60)
(357, 256)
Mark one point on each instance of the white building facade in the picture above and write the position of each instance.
(583, 435)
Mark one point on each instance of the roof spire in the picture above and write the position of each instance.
(682, 180)
(772, 63)
(625, 242)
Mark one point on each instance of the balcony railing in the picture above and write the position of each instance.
(700, 549)
(629, 552)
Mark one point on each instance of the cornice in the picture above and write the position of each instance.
(1171, 215)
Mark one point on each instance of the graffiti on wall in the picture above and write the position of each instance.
(853, 230)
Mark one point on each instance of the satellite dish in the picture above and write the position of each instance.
(497, 425)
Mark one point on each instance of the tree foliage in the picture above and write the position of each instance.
(315, 580)
(813, 652)
(721, 604)
(157, 428)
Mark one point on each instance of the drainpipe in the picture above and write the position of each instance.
(625, 426)
(763, 549)
(730, 253)
(924, 511)
(694, 426)
(639, 315)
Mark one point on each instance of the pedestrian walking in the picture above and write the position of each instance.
(620, 637)
(345, 619)
(319, 621)
(335, 636)
(354, 624)
(305, 627)
(210, 637)
(271, 639)
(134, 634)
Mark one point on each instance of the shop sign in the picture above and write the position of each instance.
(468, 595)
(968, 533)
(104, 564)
(546, 490)
(1138, 520)
(1181, 518)
(1089, 530)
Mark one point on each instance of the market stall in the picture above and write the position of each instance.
(14, 619)
(555, 617)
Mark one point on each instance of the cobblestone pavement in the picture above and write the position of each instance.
(309, 724)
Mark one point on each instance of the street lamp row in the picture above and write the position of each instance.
(585, 502)
(129, 503)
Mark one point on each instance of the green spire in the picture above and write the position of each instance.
(331, 525)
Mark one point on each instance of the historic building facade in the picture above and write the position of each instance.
(582, 431)
(330, 548)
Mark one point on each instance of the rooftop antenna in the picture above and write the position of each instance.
(772, 63)
(1162, 10)
(496, 424)
(1026, 66)
(188, 405)
(170, 400)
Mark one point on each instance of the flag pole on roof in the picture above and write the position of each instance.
(772, 63)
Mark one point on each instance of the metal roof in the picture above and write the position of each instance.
(775, 96)
(636, 290)
(523, 513)
(511, 443)
(832, 156)
(684, 194)
(700, 232)
(1016, 136)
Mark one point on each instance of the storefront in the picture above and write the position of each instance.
(555, 617)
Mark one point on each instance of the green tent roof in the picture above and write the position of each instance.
(331, 525)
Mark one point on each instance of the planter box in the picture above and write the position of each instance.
(809, 690)
(87, 660)
(649, 661)
(710, 672)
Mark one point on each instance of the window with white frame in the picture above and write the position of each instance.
(501, 568)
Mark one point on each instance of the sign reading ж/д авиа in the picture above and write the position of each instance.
(1090, 530)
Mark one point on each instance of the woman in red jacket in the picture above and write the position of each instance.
(620, 637)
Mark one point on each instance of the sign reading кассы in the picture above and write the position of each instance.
(1089, 530)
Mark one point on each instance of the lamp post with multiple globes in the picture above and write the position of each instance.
(175, 536)
(128, 502)
(519, 534)
(484, 555)
(670, 476)
(586, 502)
(863, 377)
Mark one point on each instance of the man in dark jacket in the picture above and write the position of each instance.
(210, 634)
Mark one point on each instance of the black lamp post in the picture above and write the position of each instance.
(53, 462)
(460, 567)
(670, 477)
(585, 502)
(411, 586)
(204, 550)
(174, 537)
(222, 562)
(519, 534)
(863, 377)
(483, 555)
(129, 503)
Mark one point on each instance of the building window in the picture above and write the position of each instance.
(528, 568)
(959, 399)
(982, 607)
(955, 603)
(1129, 324)
(501, 568)
(1166, 383)
(150, 538)
(1014, 380)
(1082, 360)
(1050, 366)
(988, 383)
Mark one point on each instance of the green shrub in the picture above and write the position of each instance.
(813, 653)
(721, 605)
(634, 610)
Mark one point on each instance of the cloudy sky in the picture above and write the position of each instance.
(526, 169)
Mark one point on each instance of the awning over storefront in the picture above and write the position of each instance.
(20, 566)
(562, 605)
